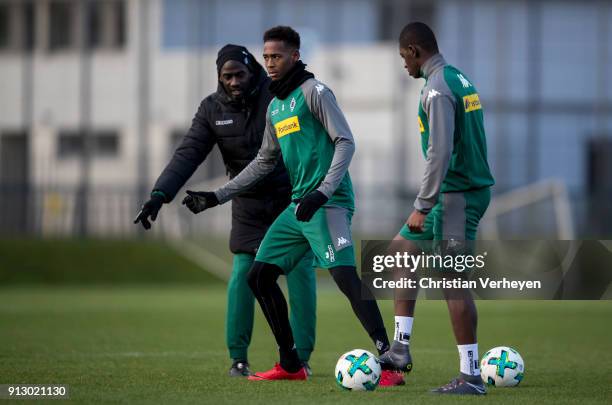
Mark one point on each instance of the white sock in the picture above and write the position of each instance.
(468, 359)
(403, 329)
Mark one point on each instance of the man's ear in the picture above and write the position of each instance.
(415, 51)
(296, 55)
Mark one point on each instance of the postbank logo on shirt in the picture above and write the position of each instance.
(471, 102)
(287, 126)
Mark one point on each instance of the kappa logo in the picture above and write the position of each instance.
(453, 243)
(319, 87)
(287, 126)
(471, 102)
(292, 104)
(224, 122)
(329, 255)
(464, 82)
(432, 93)
(274, 112)
(342, 241)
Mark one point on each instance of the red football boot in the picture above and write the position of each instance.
(390, 378)
(278, 373)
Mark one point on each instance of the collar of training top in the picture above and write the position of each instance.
(432, 64)
(295, 77)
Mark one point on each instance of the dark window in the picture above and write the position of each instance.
(13, 157)
(395, 14)
(5, 30)
(104, 144)
(16, 25)
(120, 13)
(14, 180)
(95, 24)
(61, 24)
(29, 24)
(106, 24)
(70, 144)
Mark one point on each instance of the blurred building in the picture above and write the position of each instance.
(95, 94)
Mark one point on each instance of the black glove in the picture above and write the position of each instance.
(198, 201)
(150, 209)
(308, 205)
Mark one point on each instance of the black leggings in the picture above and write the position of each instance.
(367, 311)
(263, 278)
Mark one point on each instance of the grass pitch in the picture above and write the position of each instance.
(167, 345)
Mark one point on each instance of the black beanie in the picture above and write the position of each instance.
(237, 53)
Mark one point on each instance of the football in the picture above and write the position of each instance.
(502, 367)
(358, 370)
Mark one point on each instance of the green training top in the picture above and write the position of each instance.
(310, 131)
(452, 134)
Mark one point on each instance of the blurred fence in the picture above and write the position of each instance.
(544, 210)
(55, 211)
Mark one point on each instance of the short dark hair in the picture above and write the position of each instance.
(418, 33)
(283, 33)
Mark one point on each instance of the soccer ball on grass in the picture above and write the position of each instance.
(502, 367)
(358, 370)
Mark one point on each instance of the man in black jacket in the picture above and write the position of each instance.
(234, 118)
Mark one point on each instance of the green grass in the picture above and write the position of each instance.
(92, 261)
(167, 345)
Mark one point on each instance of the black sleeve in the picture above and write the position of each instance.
(195, 146)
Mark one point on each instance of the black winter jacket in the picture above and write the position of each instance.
(238, 131)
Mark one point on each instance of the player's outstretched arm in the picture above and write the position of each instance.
(198, 201)
(323, 105)
(264, 163)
